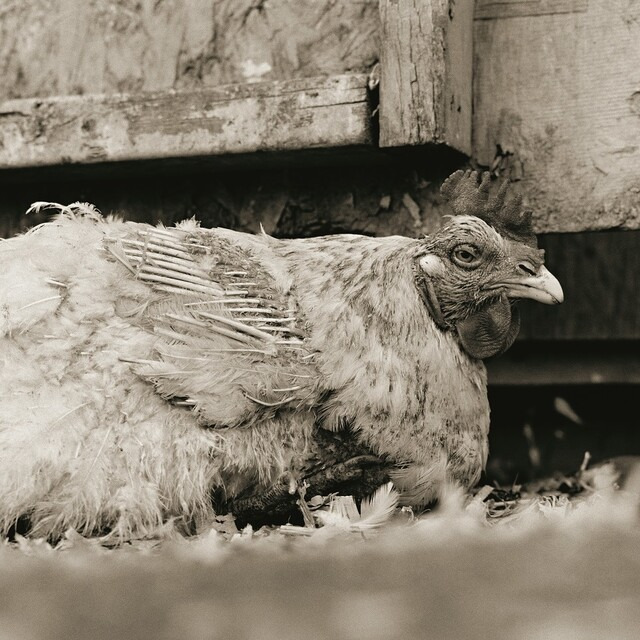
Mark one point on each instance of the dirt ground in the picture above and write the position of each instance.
(544, 566)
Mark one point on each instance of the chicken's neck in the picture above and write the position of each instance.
(400, 381)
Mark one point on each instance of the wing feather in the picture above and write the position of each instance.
(229, 341)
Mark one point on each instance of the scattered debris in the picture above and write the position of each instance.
(614, 482)
(373, 80)
(534, 452)
(385, 202)
(566, 410)
(413, 208)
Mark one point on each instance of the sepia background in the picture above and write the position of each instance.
(280, 113)
(313, 117)
(544, 93)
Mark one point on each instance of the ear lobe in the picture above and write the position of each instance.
(491, 330)
(429, 266)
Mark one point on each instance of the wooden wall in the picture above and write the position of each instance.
(600, 273)
(557, 107)
(75, 47)
(556, 84)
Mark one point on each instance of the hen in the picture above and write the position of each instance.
(144, 367)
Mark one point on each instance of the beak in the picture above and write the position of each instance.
(543, 287)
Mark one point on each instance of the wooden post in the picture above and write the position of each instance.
(426, 65)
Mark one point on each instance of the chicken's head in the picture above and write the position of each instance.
(472, 271)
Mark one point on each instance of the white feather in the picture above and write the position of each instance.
(375, 511)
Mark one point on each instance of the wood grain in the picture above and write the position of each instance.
(488, 9)
(73, 47)
(557, 107)
(426, 72)
(272, 116)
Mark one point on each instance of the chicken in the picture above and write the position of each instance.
(144, 367)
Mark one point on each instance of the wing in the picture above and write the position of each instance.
(228, 339)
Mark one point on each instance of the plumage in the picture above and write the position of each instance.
(143, 367)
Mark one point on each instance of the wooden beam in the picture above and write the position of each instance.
(555, 363)
(312, 113)
(426, 72)
(557, 107)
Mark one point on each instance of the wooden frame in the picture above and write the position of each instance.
(425, 97)
(557, 107)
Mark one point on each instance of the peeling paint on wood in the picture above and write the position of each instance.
(275, 116)
(557, 88)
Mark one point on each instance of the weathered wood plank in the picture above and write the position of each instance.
(557, 107)
(275, 116)
(426, 72)
(67, 47)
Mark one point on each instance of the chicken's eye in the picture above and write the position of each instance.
(466, 255)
